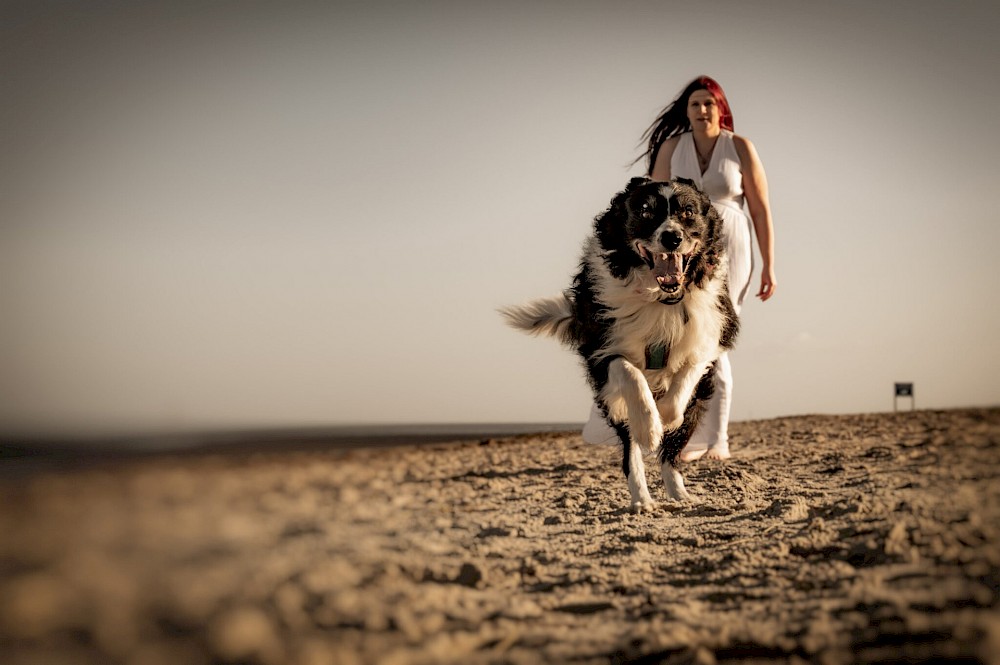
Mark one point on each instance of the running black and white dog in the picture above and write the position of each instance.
(650, 313)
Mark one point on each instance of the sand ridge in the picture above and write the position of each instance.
(834, 539)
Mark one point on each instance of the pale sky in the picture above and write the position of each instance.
(239, 214)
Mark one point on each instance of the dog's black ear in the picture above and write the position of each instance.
(685, 181)
(637, 181)
(610, 224)
(610, 228)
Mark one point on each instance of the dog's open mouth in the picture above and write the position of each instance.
(668, 268)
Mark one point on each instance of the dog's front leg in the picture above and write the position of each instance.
(635, 470)
(632, 412)
(673, 482)
(629, 399)
(679, 392)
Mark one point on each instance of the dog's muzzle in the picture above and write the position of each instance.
(669, 270)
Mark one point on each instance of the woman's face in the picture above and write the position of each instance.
(703, 111)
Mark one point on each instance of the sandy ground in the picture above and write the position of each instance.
(872, 538)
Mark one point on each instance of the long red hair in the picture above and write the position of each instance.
(673, 119)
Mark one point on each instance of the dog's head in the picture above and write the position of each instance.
(669, 229)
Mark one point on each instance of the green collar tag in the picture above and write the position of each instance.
(656, 356)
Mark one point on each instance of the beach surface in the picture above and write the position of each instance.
(831, 539)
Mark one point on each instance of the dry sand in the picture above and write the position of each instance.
(870, 538)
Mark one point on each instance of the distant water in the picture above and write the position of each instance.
(313, 438)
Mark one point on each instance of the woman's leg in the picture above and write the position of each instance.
(717, 417)
(711, 437)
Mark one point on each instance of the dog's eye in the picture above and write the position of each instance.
(646, 212)
(689, 209)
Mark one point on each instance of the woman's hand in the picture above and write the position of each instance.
(767, 284)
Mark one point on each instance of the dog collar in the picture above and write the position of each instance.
(656, 356)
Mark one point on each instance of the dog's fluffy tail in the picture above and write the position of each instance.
(545, 316)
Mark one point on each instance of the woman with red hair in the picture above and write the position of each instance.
(693, 138)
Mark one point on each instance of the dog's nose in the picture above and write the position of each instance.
(670, 240)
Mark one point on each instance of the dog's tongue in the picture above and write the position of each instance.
(668, 268)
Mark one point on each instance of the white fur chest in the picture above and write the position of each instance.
(690, 329)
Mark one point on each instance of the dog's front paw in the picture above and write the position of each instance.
(647, 429)
(656, 431)
(673, 484)
(673, 424)
(672, 417)
(680, 494)
(643, 505)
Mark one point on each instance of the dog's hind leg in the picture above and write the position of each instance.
(635, 471)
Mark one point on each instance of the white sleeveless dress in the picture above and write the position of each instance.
(723, 182)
